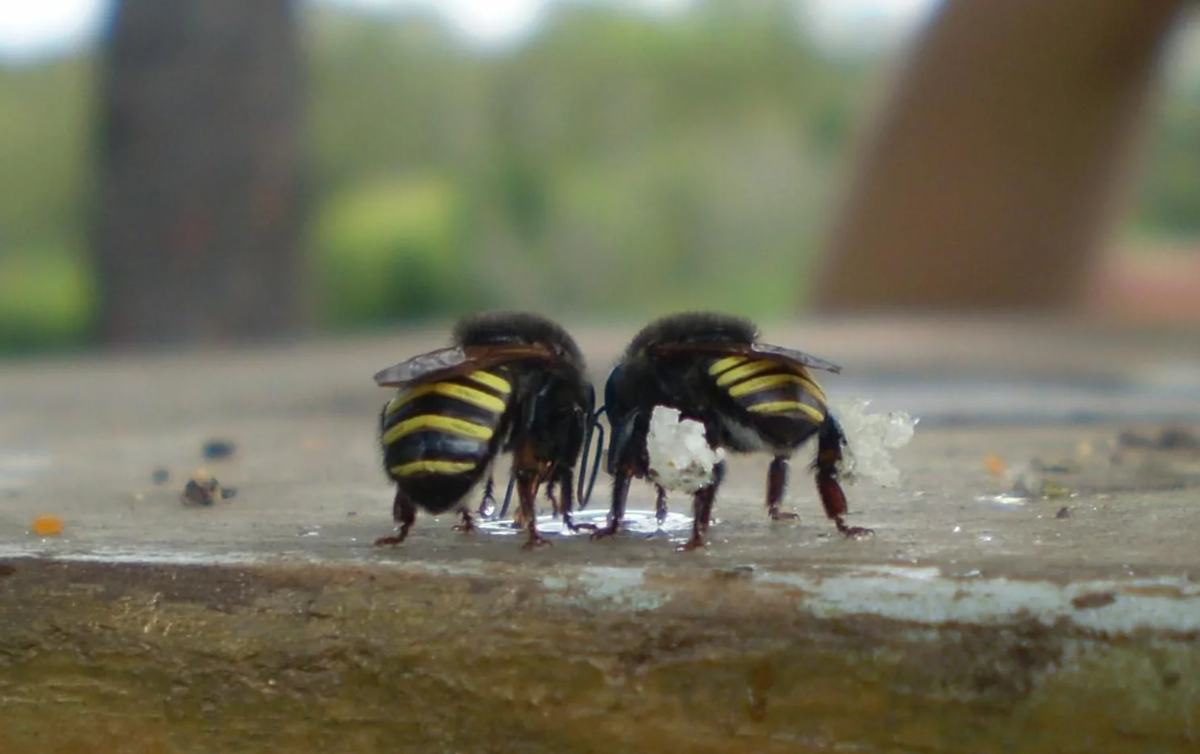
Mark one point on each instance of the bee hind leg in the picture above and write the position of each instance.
(829, 456)
(404, 513)
(468, 524)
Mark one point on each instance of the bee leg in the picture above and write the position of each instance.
(566, 479)
(528, 473)
(660, 505)
(616, 513)
(702, 503)
(468, 524)
(829, 455)
(554, 507)
(403, 513)
(487, 506)
(777, 476)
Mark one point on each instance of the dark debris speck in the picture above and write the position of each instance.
(200, 492)
(216, 450)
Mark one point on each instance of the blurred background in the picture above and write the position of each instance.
(199, 171)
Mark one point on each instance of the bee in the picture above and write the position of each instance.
(511, 382)
(750, 397)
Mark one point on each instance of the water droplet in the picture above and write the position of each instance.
(635, 522)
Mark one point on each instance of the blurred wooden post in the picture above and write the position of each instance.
(199, 155)
(996, 168)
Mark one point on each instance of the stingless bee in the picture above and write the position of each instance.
(750, 397)
(511, 382)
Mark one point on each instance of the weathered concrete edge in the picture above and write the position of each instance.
(721, 660)
(921, 595)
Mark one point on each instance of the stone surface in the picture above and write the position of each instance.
(266, 621)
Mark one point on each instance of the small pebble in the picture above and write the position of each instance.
(201, 489)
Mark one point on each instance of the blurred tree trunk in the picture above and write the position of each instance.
(1003, 158)
(197, 236)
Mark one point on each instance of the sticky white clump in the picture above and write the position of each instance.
(870, 438)
(680, 458)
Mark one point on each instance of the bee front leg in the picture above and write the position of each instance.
(702, 505)
(527, 484)
(528, 473)
(566, 483)
(403, 513)
(777, 476)
(554, 506)
(660, 505)
(616, 513)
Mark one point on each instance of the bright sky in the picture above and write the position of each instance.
(33, 28)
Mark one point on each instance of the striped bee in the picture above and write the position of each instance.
(750, 397)
(511, 382)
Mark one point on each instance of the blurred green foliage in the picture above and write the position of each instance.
(614, 164)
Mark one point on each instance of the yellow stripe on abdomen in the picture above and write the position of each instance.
(450, 390)
(432, 467)
(447, 424)
(744, 371)
(767, 382)
(725, 364)
(493, 381)
(783, 407)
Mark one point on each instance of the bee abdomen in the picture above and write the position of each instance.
(444, 428)
(770, 388)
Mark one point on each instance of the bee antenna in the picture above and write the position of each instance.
(596, 461)
(587, 483)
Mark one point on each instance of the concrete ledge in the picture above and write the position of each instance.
(491, 657)
(971, 622)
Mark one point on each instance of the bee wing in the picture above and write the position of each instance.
(789, 355)
(456, 359)
(420, 366)
(796, 357)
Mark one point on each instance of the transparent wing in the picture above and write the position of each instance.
(446, 361)
(795, 357)
(421, 366)
(764, 350)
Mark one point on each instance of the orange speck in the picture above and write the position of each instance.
(47, 526)
(995, 464)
